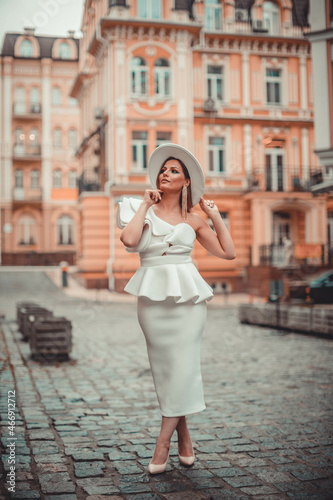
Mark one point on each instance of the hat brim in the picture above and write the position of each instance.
(163, 152)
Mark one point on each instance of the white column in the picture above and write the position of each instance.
(246, 76)
(7, 149)
(46, 130)
(303, 78)
(182, 84)
(120, 87)
(248, 149)
(305, 153)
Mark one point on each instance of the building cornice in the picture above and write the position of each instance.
(318, 36)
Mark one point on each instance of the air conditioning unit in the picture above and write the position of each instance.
(260, 25)
(209, 105)
(99, 113)
(241, 15)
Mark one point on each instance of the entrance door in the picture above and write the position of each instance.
(281, 228)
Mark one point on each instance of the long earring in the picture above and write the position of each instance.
(184, 202)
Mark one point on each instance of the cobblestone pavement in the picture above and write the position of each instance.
(86, 428)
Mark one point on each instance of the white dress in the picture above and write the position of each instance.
(172, 308)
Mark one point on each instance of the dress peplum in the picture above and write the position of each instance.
(171, 308)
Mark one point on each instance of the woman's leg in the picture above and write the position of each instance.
(168, 426)
(184, 439)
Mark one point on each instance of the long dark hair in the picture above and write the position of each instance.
(187, 176)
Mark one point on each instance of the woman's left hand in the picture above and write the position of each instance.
(208, 206)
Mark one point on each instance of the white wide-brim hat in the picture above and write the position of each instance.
(161, 153)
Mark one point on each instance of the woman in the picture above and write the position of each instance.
(171, 293)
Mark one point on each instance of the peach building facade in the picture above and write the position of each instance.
(230, 80)
(39, 130)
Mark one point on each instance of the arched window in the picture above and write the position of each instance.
(139, 77)
(18, 178)
(72, 179)
(34, 179)
(149, 9)
(65, 230)
(26, 230)
(35, 100)
(56, 96)
(64, 51)
(213, 15)
(271, 15)
(34, 142)
(57, 138)
(26, 48)
(19, 101)
(57, 178)
(72, 138)
(19, 136)
(162, 77)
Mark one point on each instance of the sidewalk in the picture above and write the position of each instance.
(86, 428)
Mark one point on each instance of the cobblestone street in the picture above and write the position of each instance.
(87, 428)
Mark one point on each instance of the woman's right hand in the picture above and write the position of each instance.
(152, 196)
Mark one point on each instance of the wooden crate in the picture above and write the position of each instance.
(51, 337)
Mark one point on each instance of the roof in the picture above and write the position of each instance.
(300, 10)
(45, 44)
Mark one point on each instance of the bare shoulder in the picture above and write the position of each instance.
(196, 221)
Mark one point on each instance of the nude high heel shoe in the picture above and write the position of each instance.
(186, 460)
(158, 468)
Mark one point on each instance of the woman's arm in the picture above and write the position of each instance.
(220, 243)
(131, 234)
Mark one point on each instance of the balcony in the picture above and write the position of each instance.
(21, 194)
(311, 254)
(283, 179)
(89, 182)
(27, 110)
(24, 151)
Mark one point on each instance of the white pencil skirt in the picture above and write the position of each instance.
(173, 333)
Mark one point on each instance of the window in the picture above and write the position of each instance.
(26, 231)
(72, 101)
(273, 86)
(34, 179)
(149, 9)
(35, 100)
(162, 77)
(57, 177)
(274, 174)
(65, 230)
(57, 138)
(72, 136)
(213, 15)
(64, 51)
(19, 106)
(56, 96)
(162, 137)
(271, 14)
(215, 82)
(72, 179)
(34, 136)
(139, 150)
(139, 77)
(26, 49)
(216, 154)
(18, 178)
(19, 136)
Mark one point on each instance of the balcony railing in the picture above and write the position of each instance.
(26, 151)
(283, 178)
(276, 255)
(88, 182)
(27, 194)
(259, 27)
(23, 108)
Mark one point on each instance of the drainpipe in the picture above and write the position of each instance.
(112, 245)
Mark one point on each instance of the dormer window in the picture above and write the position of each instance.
(26, 49)
(213, 15)
(271, 15)
(64, 51)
